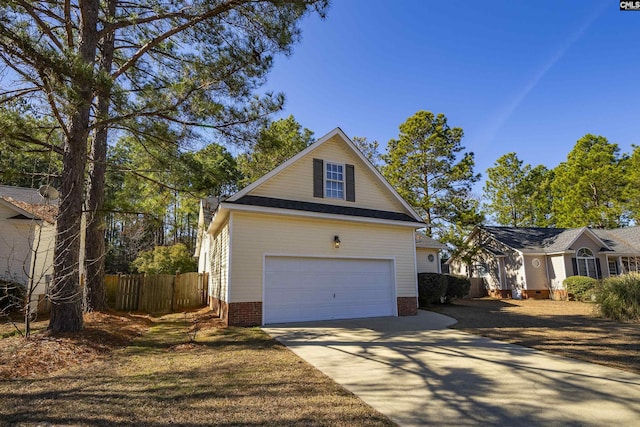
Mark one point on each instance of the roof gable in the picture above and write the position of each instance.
(293, 180)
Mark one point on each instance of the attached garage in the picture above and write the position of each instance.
(300, 289)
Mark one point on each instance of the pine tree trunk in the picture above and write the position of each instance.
(66, 293)
(95, 247)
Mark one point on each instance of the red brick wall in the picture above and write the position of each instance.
(499, 293)
(244, 314)
(407, 306)
(535, 294)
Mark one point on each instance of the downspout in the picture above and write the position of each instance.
(546, 267)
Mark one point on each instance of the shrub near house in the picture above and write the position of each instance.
(433, 288)
(619, 298)
(580, 287)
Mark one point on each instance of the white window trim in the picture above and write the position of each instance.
(343, 182)
(586, 259)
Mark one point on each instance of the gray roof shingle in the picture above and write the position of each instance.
(549, 240)
(322, 208)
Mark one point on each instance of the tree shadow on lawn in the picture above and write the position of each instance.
(579, 336)
(219, 380)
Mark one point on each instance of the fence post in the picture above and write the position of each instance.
(176, 280)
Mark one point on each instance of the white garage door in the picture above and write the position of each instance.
(303, 289)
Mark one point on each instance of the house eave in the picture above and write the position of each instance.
(228, 207)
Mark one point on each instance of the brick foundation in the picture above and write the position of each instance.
(407, 306)
(535, 294)
(499, 293)
(244, 314)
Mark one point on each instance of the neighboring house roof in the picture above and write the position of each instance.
(28, 203)
(423, 241)
(621, 240)
(551, 240)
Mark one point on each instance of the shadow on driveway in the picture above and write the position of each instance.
(417, 372)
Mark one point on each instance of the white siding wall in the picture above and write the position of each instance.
(423, 263)
(204, 257)
(43, 261)
(255, 235)
(219, 263)
(558, 270)
(296, 181)
(15, 247)
(536, 276)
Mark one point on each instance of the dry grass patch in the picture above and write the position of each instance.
(234, 376)
(567, 328)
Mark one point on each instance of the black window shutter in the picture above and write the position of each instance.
(574, 262)
(598, 270)
(350, 183)
(318, 178)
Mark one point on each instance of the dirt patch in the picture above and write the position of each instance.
(44, 353)
(184, 370)
(567, 328)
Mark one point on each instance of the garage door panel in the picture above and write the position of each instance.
(301, 289)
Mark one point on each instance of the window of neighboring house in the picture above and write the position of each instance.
(586, 263)
(334, 181)
(481, 269)
(613, 267)
(630, 264)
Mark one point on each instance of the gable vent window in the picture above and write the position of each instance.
(334, 181)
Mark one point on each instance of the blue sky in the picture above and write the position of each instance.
(525, 76)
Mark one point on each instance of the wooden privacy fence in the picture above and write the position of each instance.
(156, 293)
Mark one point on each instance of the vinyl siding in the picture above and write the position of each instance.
(558, 270)
(423, 263)
(536, 277)
(255, 235)
(15, 246)
(585, 241)
(219, 263)
(296, 181)
(43, 261)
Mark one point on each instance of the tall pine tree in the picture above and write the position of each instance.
(428, 166)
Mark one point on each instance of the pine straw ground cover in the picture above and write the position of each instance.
(179, 369)
(568, 328)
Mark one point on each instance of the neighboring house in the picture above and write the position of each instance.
(322, 236)
(27, 239)
(533, 262)
(428, 254)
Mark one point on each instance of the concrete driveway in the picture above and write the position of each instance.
(417, 372)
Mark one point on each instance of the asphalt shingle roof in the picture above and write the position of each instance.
(549, 240)
(30, 200)
(321, 208)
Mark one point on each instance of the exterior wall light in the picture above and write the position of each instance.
(336, 241)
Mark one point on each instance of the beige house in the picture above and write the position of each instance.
(27, 239)
(533, 262)
(322, 236)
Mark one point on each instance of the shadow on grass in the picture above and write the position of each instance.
(232, 376)
(583, 337)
